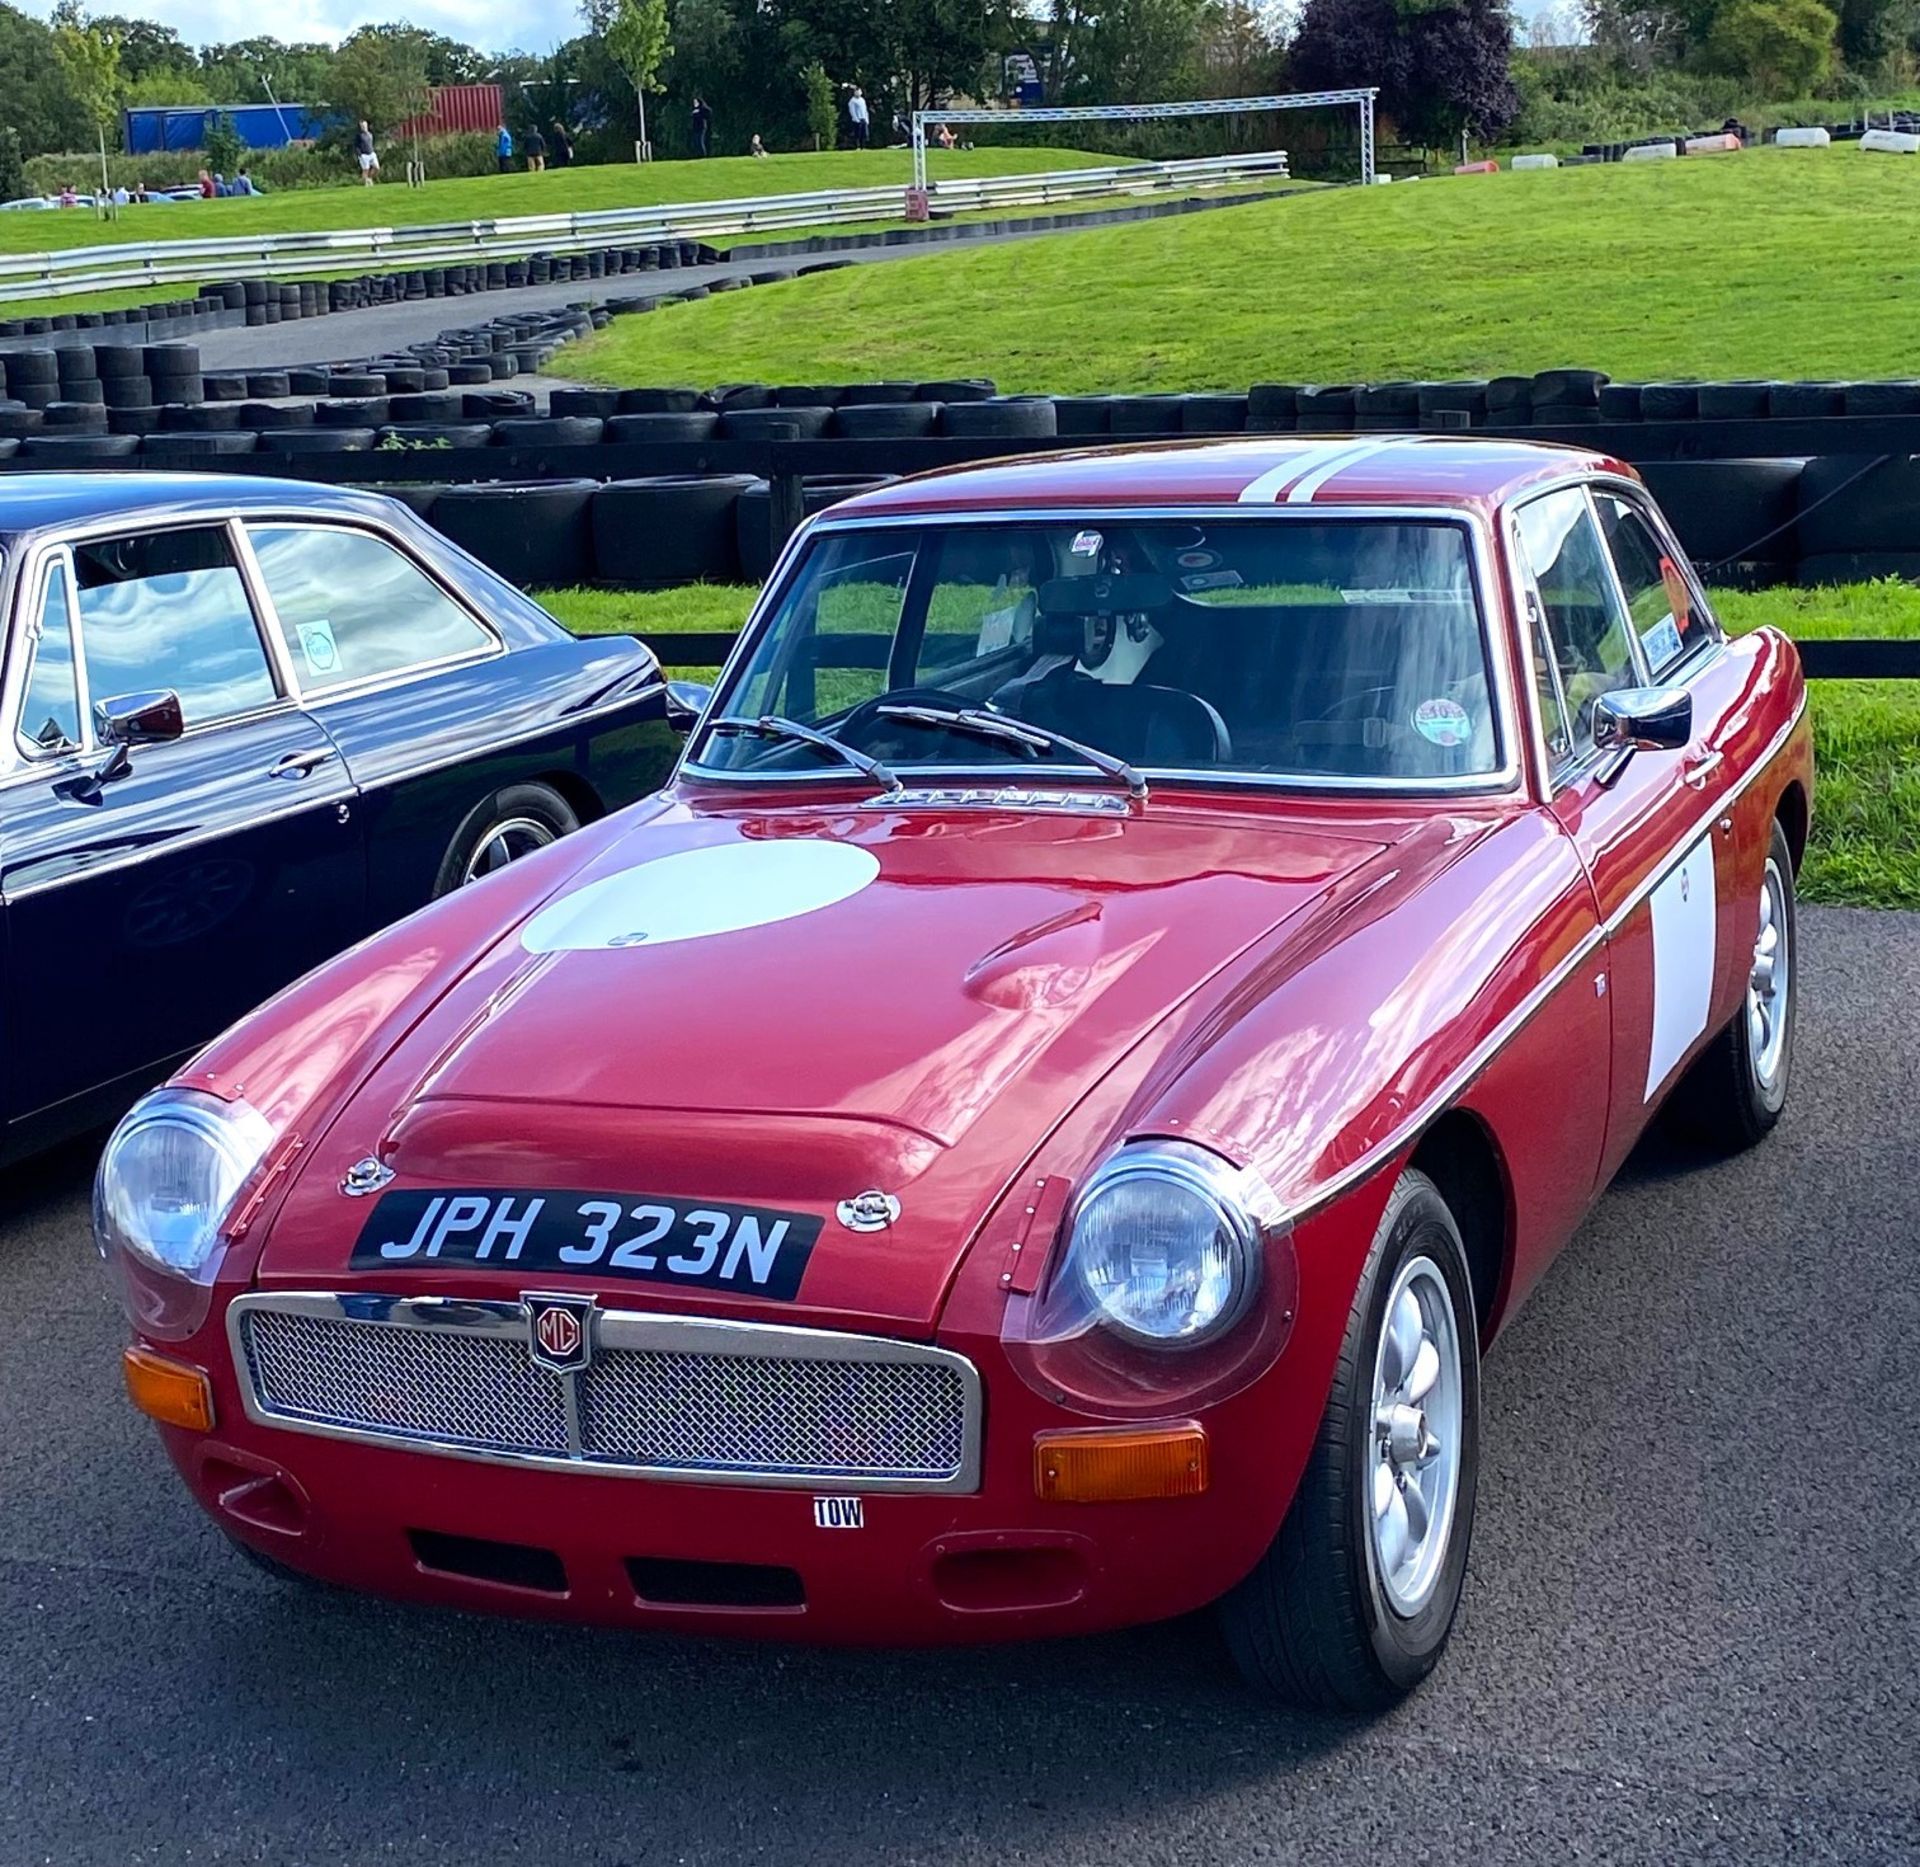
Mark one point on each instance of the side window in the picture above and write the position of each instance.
(982, 604)
(1546, 687)
(1667, 619)
(50, 713)
(168, 609)
(834, 655)
(1588, 634)
(352, 607)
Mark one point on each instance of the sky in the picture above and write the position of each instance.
(493, 25)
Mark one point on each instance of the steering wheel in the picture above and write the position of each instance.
(868, 720)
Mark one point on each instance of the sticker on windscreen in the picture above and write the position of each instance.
(1442, 722)
(318, 648)
(1086, 544)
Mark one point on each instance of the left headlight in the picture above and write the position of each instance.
(1163, 1245)
(167, 1183)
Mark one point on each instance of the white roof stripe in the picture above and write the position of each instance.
(1267, 489)
(1304, 488)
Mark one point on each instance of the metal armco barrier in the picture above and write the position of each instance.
(130, 265)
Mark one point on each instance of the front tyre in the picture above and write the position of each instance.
(1352, 1604)
(1733, 1094)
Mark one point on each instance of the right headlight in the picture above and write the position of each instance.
(168, 1181)
(1163, 1245)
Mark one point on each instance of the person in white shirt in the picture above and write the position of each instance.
(857, 117)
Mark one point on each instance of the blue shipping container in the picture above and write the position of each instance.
(155, 127)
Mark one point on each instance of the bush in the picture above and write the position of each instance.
(225, 148)
(13, 174)
(276, 170)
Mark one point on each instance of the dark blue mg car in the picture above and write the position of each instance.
(245, 723)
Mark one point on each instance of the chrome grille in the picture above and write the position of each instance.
(668, 1396)
(412, 1383)
(696, 1411)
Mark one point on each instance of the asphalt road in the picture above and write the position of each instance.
(1691, 1628)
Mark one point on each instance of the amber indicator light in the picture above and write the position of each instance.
(169, 1391)
(1109, 1467)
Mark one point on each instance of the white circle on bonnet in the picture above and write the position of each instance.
(698, 892)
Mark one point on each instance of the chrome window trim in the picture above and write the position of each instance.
(1556, 779)
(493, 646)
(1634, 494)
(33, 603)
(1402, 1135)
(617, 1329)
(1502, 781)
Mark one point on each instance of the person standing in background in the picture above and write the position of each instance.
(756, 148)
(536, 151)
(562, 147)
(702, 125)
(503, 150)
(365, 154)
(857, 117)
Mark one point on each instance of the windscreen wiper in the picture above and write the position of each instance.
(772, 726)
(989, 725)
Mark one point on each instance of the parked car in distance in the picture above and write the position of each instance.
(1144, 961)
(248, 722)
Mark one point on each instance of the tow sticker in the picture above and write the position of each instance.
(1442, 722)
(1086, 544)
(839, 1513)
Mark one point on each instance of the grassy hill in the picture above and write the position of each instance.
(489, 197)
(1796, 263)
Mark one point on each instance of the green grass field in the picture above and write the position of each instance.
(1865, 849)
(494, 197)
(1767, 263)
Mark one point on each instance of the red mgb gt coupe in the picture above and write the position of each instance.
(1146, 957)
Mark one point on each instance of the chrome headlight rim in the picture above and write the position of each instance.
(237, 1138)
(1239, 1201)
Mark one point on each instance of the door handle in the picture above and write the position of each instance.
(301, 764)
(1699, 768)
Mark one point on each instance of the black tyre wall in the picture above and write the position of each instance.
(1719, 509)
(656, 533)
(536, 536)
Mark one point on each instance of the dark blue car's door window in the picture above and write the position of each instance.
(351, 607)
(169, 610)
(50, 714)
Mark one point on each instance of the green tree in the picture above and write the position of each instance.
(635, 35)
(245, 70)
(13, 171)
(381, 76)
(35, 98)
(146, 47)
(1783, 46)
(823, 112)
(226, 149)
(91, 61)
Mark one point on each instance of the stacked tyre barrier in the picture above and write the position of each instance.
(263, 301)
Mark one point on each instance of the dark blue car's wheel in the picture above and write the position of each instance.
(512, 823)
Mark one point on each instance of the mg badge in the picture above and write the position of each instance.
(560, 1333)
(868, 1212)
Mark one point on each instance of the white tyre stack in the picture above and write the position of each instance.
(1536, 162)
(1891, 142)
(1814, 138)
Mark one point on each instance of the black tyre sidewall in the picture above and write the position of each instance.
(1416, 1224)
(1766, 1104)
(514, 800)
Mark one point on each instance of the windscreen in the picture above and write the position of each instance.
(1327, 649)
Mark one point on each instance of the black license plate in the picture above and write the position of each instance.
(751, 1249)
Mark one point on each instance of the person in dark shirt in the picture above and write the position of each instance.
(702, 125)
(365, 154)
(536, 152)
(562, 147)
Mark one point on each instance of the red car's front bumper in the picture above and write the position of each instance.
(583, 1545)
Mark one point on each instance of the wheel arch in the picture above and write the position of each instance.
(579, 795)
(1459, 1154)
(1793, 814)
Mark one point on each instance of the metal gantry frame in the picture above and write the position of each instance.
(1363, 96)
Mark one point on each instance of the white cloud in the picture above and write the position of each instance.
(493, 25)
